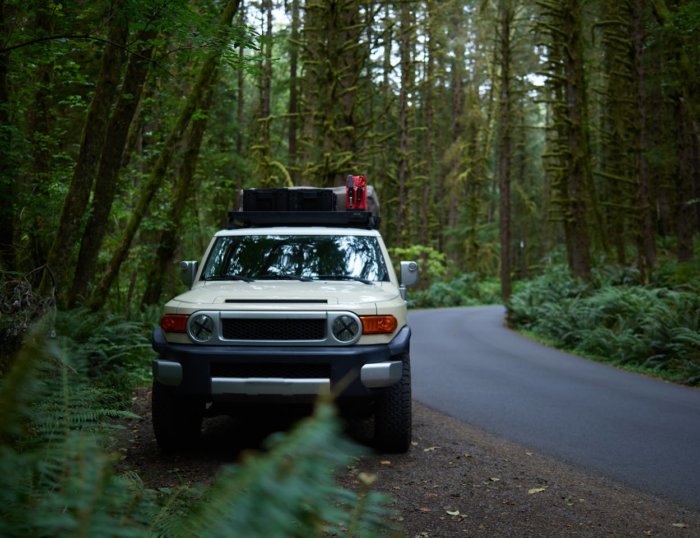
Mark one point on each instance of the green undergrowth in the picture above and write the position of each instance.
(467, 289)
(653, 329)
(59, 474)
(437, 289)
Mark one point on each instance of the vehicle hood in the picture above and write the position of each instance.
(292, 295)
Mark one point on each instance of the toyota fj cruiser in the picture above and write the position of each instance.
(295, 299)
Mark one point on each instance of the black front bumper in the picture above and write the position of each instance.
(202, 371)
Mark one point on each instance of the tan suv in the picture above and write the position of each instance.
(285, 306)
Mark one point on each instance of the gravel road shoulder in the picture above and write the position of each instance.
(455, 481)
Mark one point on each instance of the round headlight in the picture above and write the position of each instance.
(201, 328)
(345, 328)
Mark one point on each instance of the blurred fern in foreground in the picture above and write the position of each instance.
(58, 479)
(650, 328)
(290, 491)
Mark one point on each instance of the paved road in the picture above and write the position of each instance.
(640, 431)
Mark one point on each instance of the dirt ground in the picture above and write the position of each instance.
(455, 481)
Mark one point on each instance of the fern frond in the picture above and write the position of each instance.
(289, 491)
(651, 327)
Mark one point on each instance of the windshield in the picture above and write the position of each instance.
(303, 257)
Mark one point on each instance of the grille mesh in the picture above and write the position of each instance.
(274, 329)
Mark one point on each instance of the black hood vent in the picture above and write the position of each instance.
(278, 301)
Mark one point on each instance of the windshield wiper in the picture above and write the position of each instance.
(228, 277)
(345, 277)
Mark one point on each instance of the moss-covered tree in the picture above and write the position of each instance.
(60, 262)
(562, 24)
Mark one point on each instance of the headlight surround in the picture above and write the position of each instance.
(201, 328)
(345, 328)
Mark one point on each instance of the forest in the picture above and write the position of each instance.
(501, 136)
(543, 153)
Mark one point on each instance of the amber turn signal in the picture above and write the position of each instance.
(174, 323)
(378, 324)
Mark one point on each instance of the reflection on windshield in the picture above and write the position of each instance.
(305, 257)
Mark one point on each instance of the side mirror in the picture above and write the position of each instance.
(188, 270)
(409, 276)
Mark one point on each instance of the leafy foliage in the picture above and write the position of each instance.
(59, 479)
(463, 290)
(431, 262)
(645, 327)
(56, 477)
(112, 350)
(436, 288)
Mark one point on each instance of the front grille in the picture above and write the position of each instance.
(273, 329)
(293, 371)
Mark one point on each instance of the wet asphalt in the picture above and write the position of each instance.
(636, 430)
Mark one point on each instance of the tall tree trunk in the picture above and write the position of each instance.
(646, 242)
(405, 61)
(572, 153)
(687, 110)
(505, 121)
(240, 107)
(110, 165)
(293, 108)
(429, 149)
(262, 150)
(7, 166)
(205, 79)
(579, 154)
(60, 258)
(334, 56)
(688, 76)
(616, 138)
(351, 61)
(448, 193)
(36, 186)
(184, 187)
(685, 212)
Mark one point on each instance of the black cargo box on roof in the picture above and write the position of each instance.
(312, 200)
(298, 199)
(265, 200)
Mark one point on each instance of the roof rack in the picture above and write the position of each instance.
(341, 219)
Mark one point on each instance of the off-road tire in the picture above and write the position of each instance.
(177, 421)
(392, 414)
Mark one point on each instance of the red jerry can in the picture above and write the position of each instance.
(356, 193)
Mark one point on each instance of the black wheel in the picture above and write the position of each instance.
(177, 421)
(392, 414)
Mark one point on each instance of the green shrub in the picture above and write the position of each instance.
(645, 327)
(432, 263)
(464, 290)
(678, 276)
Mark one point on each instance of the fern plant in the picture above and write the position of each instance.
(113, 351)
(289, 491)
(55, 477)
(58, 479)
(645, 327)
